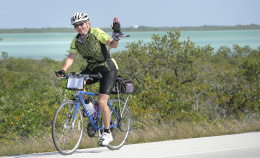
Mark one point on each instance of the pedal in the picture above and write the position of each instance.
(90, 131)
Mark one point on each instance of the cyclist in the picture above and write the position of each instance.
(91, 44)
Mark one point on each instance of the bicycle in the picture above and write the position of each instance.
(68, 122)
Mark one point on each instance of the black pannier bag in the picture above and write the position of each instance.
(124, 85)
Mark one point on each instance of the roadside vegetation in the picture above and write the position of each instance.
(186, 91)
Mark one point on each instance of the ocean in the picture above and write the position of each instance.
(56, 45)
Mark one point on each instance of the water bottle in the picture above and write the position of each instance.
(96, 107)
(95, 114)
(89, 105)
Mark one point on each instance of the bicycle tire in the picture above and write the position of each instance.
(67, 135)
(121, 131)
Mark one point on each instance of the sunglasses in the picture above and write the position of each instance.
(77, 25)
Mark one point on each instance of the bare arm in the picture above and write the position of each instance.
(69, 61)
(112, 43)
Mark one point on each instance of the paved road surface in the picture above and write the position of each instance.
(245, 145)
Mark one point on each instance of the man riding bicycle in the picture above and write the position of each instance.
(91, 44)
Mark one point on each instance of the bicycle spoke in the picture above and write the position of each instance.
(121, 131)
(67, 136)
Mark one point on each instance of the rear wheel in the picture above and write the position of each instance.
(120, 118)
(67, 134)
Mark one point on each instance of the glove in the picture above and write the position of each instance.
(116, 27)
(60, 73)
(117, 30)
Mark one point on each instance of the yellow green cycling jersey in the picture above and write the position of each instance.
(94, 50)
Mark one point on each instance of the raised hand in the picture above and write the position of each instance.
(116, 25)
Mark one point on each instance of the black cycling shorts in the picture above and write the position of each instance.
(107, 81)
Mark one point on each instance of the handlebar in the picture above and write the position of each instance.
(86, 76)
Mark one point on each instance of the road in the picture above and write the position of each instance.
(245, 145)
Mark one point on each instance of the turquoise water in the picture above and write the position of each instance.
(55, 45)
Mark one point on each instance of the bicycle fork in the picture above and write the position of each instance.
(74, 117)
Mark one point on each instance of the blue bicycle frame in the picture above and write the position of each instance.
(94, 124)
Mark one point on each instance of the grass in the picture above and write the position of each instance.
(144, 133)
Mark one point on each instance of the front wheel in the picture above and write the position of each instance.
(67, 132)
(121, 118)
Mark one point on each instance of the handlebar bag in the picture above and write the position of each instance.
(75, 83)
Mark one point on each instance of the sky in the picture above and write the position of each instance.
(152, 13)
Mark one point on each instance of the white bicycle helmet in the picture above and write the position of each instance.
(79, 17)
